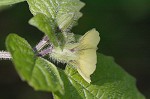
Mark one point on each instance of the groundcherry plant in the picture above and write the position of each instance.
(87, 73)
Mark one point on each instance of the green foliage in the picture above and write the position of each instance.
(46, 25)
(108, 81)
(52, 15)
(65, 13)
(38, 72)
(9, 2)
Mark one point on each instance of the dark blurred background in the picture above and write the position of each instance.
(124, 27)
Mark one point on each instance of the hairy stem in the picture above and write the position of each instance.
(4, 55)
(42, 43)
(45, 51)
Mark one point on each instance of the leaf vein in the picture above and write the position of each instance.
(83, 87)
(43, 72)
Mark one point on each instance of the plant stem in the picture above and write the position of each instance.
(4, 55)
(41, 44)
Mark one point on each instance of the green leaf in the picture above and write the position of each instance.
(61, 39)
(109, 81)
(64, 12)
(45, 76)
(46, 25)
(9, 2)
(55, 17)
(68, 13)
(22, 54)
(38, 72)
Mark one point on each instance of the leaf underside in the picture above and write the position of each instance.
(109, 81)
